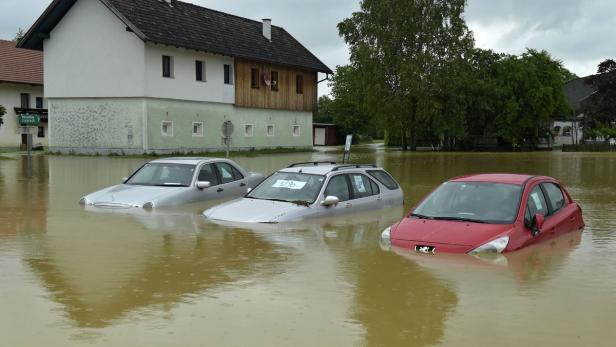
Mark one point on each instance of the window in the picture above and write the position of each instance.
(167, 66)
(556, 131)
(296, 130)
(200, 70)
(536, 204)
(166, 128)
(555, 195)
(39, 102)
(254, 78)
(384, 178)
(567, 131)
(299, 84)
(248, 130)
(362, 186)
(228, 74)
(274, 81)
(338, 187)
(208, 174)
(41, 132)
(228, 173)
(25, 100)
(197, 129)
(270, 130)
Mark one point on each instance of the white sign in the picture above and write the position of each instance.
(347, 144)
(289, 184)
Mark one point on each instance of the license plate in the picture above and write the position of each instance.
(425, 249)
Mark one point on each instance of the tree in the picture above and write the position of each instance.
(2, 113)
(346, 108)
(20, 34)
(323, 113)
(600, 107)
(402, 50)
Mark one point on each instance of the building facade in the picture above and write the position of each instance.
(21, 94)
(163, 76)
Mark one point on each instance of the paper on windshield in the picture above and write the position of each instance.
(289, 184)
(359, 184)
(537, 201)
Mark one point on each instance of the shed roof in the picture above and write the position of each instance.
(190, 26)
(18, 65)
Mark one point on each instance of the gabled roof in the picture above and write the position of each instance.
(578, 90)
(20, 65)
(193, 27)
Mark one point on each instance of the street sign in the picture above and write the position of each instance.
(347, 148)
(29, 119)
(227, 131)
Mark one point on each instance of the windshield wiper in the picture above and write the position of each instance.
(420, 216)
(461, 219)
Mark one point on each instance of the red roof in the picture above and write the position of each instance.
(494, 178)
(18, 65)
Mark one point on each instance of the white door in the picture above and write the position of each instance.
(319, 136)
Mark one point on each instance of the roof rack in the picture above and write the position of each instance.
(354, 166)
(313, 163)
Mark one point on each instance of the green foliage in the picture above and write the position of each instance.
(2, 113)
(20, 34)
(414, 71)
(323, 113)
(600, 107)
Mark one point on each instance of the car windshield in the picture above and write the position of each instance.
(292, 187)
(163, 175)
(480, 202)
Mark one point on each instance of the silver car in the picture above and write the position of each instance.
(311, 190)
(176, 181)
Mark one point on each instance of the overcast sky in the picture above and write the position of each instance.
(581, 33)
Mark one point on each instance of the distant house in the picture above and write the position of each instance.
(326, 135)
(21, 93)
(569, 131)
(138, 76)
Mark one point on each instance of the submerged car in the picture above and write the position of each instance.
(312, 190)
(487, 213)
(176, 181)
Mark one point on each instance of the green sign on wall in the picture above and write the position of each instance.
(29, 119)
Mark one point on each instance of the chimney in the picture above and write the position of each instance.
(267, 29)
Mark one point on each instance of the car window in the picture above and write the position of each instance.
(163, 174)
(338, 187)
(362, 186)
(555, 195)
(536, 203)
(384, 178)
(228, 173)
(290, 187)
(207, 174)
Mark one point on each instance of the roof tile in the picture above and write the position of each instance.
(19, 65)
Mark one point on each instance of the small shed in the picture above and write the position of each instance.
(324, 134)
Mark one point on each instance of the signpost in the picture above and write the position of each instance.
(29, 119)
(347, 148)
(227, 131)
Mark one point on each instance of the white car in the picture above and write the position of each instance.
(312, 190)
(176, 181)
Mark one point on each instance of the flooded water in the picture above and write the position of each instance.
(70, 277)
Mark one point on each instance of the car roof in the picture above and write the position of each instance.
(185, 160)
(325, 168)
(506, 178)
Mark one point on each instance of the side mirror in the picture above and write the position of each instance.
(203, 185)
(124, 179)
(330, 201)
(538, 221)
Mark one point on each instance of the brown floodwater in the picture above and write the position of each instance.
(70, 277)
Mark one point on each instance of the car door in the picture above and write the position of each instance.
(207, 173)
(536, 204)
(337, 186)
(233, 182)
(562, 213)
(365, 193)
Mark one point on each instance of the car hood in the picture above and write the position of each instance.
(447, 232)
(124, 195)
(247, 210)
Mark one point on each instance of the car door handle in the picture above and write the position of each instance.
(347, 205)
(379, 199)
(220, 190)
(243, 184)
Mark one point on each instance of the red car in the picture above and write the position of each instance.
(487, 213)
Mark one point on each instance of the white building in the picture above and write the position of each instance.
(134, 76)
(21, 93)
